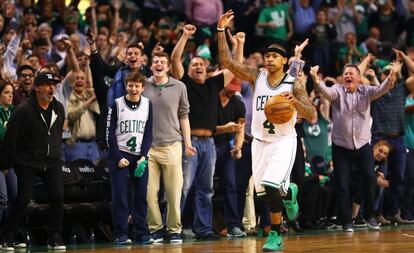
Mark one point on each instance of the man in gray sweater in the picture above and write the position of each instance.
(171, 128)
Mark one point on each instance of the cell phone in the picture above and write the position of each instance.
(88, 32)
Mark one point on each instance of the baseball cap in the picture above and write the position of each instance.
(234, 85)
(45, 77)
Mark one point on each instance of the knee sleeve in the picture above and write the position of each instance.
(274, 199)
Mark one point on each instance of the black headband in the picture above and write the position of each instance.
(275, 50)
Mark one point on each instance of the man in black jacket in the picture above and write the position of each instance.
(32, 146)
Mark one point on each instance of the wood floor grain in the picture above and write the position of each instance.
(388, 240)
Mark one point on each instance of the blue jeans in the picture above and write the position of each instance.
(82, 150)
(343, 160)
(226, 171)
(120, 203)
(407, 205)
(8, 192)
(198, 172)
(395, 170)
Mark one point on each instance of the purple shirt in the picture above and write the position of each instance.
(351, 112)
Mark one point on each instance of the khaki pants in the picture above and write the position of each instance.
(249, 218)
(165, 161)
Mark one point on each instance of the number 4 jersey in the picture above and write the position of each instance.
(130, 126)
(262, 129)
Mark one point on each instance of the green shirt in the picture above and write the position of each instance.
(316, 137)
(278, 15)
(343, 54)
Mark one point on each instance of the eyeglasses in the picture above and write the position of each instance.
(26, 75)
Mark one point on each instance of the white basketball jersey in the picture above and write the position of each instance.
(131, 125)
(262, 129)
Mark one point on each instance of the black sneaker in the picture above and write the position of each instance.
(5, 246)
(327, 224)
(349, 227)
(360, 222)
(158, 236)
(373, 224)
(55, 242)
(8, 242)
(175, 238)
(208, 236)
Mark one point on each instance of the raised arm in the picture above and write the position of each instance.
(320, 86)
(295, 62)
(72, 61)
(377, 91)
(364, 63)
(117, 6)
(177, 68)
(239, 70)
(406, 59)
(93, 24)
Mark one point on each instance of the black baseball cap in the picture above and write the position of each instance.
(45, 77)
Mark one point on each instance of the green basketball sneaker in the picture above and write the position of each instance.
(274, 242)
(292, 206)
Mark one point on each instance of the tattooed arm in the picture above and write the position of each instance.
(239, 70)
(301, 101)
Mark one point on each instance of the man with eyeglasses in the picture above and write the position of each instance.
(25, 74)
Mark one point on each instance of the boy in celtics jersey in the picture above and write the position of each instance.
(274, 146)
(129, 137)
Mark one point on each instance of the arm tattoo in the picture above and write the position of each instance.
(302, 102)
(238, 69)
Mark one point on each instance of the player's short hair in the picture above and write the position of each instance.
(135, 76)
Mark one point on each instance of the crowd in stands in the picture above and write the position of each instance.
(198, 116)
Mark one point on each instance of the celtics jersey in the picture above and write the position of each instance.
(262, 129)
(130, 126)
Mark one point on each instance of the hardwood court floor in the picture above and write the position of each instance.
(390, 239)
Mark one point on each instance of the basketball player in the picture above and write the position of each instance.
(129, 137)
(274, 146)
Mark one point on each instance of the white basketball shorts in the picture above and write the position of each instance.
(272, 163)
